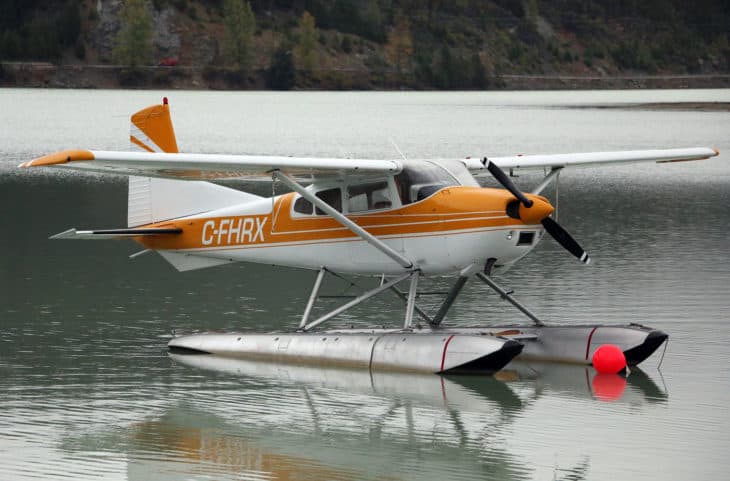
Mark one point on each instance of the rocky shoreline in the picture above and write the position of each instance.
(47, 75)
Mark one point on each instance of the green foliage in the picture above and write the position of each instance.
(445, 70)
(281, 73)
(672, 36)
(69, 24)
(239, 27)
(350, 16)
(346, 44)
(10, 47)
(42, 40)
(633, 55)
(134, 77)
(422, 71)
(454, 71)
(515, 52)
(478, 73)
(80, 50)
(134, 40)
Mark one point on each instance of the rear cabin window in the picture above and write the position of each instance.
(303, 206)
(368, 196)
(420, 181)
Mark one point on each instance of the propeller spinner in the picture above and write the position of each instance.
(525, 209)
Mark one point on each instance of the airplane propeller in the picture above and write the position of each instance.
(551, 226)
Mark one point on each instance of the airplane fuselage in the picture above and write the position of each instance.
(452, 228)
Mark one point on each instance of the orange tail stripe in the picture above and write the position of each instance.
(139, 143)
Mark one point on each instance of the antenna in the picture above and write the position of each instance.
(397, 149)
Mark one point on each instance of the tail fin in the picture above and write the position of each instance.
(155, 200)
(151, 129)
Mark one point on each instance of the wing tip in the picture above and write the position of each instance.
(56, 158)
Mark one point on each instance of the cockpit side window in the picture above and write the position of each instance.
(420, 181)
(333, 197)
(371, 195)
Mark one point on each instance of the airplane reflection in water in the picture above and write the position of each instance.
(272, 421)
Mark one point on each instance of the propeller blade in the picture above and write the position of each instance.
(504, 179)
(565, 239)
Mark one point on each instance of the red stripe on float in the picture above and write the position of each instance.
(443, 356)
(588, 345)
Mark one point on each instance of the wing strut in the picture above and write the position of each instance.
(339, 217)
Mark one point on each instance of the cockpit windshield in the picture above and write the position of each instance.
(418, 181)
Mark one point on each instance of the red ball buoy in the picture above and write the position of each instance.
(609, 359)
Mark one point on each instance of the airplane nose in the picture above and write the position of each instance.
(534, 214)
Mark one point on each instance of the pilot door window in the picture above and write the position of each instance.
(333, 197)
(369, 196)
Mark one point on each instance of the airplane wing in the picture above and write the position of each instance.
(210, 166)
(251, 167)
(588, 159)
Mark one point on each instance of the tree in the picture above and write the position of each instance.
(69, 23)
(280, 75)
(399, 48)
(307, 42)
(478, 73)
(239, 25)
(43, 40)
(444, 73)
(134, 40)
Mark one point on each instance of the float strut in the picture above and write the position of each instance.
(450, 298)
(508, 297)
(312, 297)
(356, 301)
(411, 303)
(418, 310)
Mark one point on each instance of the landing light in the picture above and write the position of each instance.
(510, 234)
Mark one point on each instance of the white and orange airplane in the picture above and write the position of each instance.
(396, 219)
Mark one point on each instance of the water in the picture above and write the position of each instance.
(89, 391)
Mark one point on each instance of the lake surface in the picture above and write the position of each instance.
(89, 391)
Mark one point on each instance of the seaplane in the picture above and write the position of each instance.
(396, 220)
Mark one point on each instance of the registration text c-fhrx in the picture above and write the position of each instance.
(238, 230)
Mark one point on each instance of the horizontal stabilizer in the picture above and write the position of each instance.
(183, 261)
(114, 233)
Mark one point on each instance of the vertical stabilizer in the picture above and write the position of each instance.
(151, 129)
(155, 200)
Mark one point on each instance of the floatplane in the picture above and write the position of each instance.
(398, 220)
